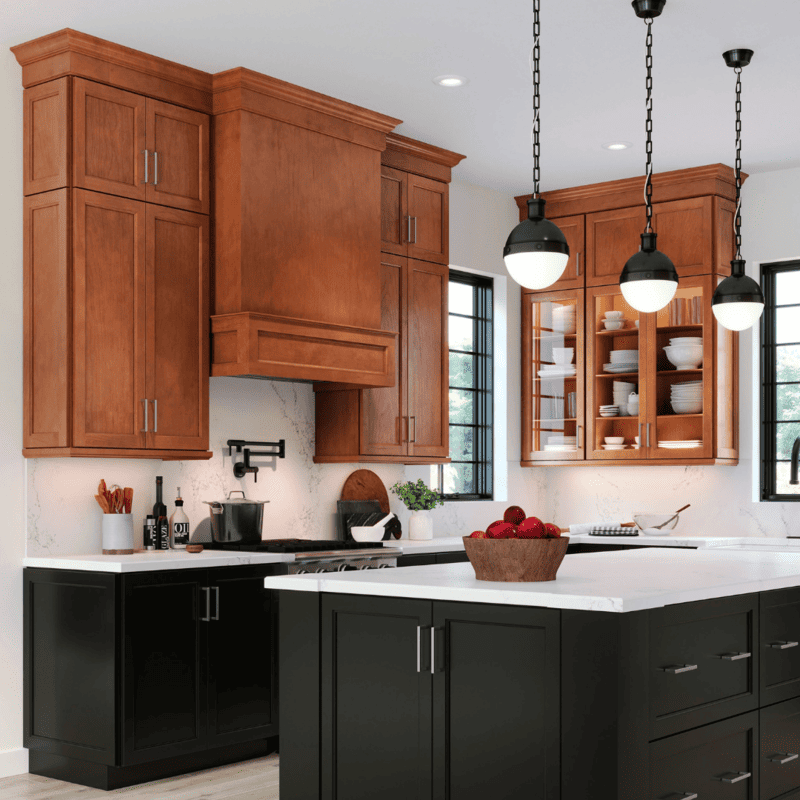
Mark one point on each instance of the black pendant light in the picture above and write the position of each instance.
(649, 280)
(738, 302)
(536, 251)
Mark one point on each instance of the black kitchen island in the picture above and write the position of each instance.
(399, 686)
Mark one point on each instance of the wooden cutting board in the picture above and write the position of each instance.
(364, 484)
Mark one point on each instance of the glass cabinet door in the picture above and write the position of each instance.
(680, 408)
(616, 363)
(553, 377)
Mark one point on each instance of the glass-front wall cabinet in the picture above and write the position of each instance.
(553, 372)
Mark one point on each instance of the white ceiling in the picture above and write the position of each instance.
(383, 55)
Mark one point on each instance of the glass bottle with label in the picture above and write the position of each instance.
(179, 525)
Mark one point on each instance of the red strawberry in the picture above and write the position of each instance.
(501, 530)
(514, 515)
(552, 531)
(478, 535)
(531, 528)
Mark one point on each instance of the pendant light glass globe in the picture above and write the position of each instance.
(738, 301)
(536, 252)
(648, 279)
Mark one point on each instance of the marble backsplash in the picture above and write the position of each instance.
(64, 519)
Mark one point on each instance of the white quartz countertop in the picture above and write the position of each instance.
(629, 580)
(153, 561)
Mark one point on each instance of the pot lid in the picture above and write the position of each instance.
(236, 500)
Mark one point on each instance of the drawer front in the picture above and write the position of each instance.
(780, 749)
(702, 663)
(780, 645)
(709, 763)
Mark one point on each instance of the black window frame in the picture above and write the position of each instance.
(769, 382)
(483, 423)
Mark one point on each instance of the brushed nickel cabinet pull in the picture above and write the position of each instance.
(734, 777)
(155, 168)
(146, 172)
(676, 669)
(648, 434)
(144, 430)
(155, 416)
(782, 758)
(578, 264)
(408, 229)
(734, 656)
(783, 645)
(433, 650)
(419, 642)
(580, 436)
(411, 441)
(207, 617)
(215, 618)
(415, 231)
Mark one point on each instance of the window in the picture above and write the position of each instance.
(469, 475)
(780, 378)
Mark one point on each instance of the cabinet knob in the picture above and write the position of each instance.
(782, 758)
(783, 645)
(675, 669)
(734, 777)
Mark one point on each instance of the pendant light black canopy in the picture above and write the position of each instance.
(738, 301)
(649, 279)
(536, 251)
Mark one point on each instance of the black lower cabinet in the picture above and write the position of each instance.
(435, 701)
(137, 676)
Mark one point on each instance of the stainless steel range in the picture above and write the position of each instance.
(324, 555)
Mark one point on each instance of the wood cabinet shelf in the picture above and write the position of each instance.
(620, 332)
(667, 372)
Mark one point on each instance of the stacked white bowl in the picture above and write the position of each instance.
(609, 411)
(622, 390)
(687, 397)
(564, 319)
(685, 352)
(623, 361)
(613, 320)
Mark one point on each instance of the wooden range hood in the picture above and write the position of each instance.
(297, 224)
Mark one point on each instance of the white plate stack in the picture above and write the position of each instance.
(559, 443)
(622, 390)
(564, 319)
(623, 361)
(609, 411)
(687, 397)
(681, 444)
(557, 370)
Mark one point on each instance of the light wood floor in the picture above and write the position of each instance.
(246, 780)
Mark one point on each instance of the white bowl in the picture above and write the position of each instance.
(367, 533)
(636, 323)
(614, 440)
(636, 439)
(684, 357)
(690, 340)
(563, 355)
(624, 356)
(687, 408)
(614, 324)
(613, 314)
(609, 413)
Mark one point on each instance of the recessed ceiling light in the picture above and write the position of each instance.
(617, 145)
(450, 81)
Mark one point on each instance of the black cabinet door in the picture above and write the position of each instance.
(780, 749)
(242, 655)
(780, 645)
(496, 728)
(164, 645)
(376, 699)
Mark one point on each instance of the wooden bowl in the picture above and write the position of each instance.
(518, 560)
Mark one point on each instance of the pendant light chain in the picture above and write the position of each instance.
(535, 76)
(648, 127)
(737, 220)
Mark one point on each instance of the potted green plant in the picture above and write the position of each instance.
(419, 499)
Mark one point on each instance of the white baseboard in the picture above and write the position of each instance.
(13, 762)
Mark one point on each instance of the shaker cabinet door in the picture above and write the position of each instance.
(108, 140)
(177, 139)
(177, 329)
(108, 321)
(430, 217)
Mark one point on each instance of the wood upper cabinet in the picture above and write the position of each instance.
(573, 276)
(612, 237)
(414, 216)
(407, 422)
(123, 144)
(116, 328)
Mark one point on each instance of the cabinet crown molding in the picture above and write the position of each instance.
(412, 147)
(240, 78)
(69, 41)
(712, 179)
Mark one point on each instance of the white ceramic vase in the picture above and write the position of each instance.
(420, 525)
(117, 534)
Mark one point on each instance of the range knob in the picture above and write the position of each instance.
(366, 566)
(321, 569)
(302, 572)
(382, 566)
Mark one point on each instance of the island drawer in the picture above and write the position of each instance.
(715, 762)
(780, 645)
(703, 663)
(780, 749)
